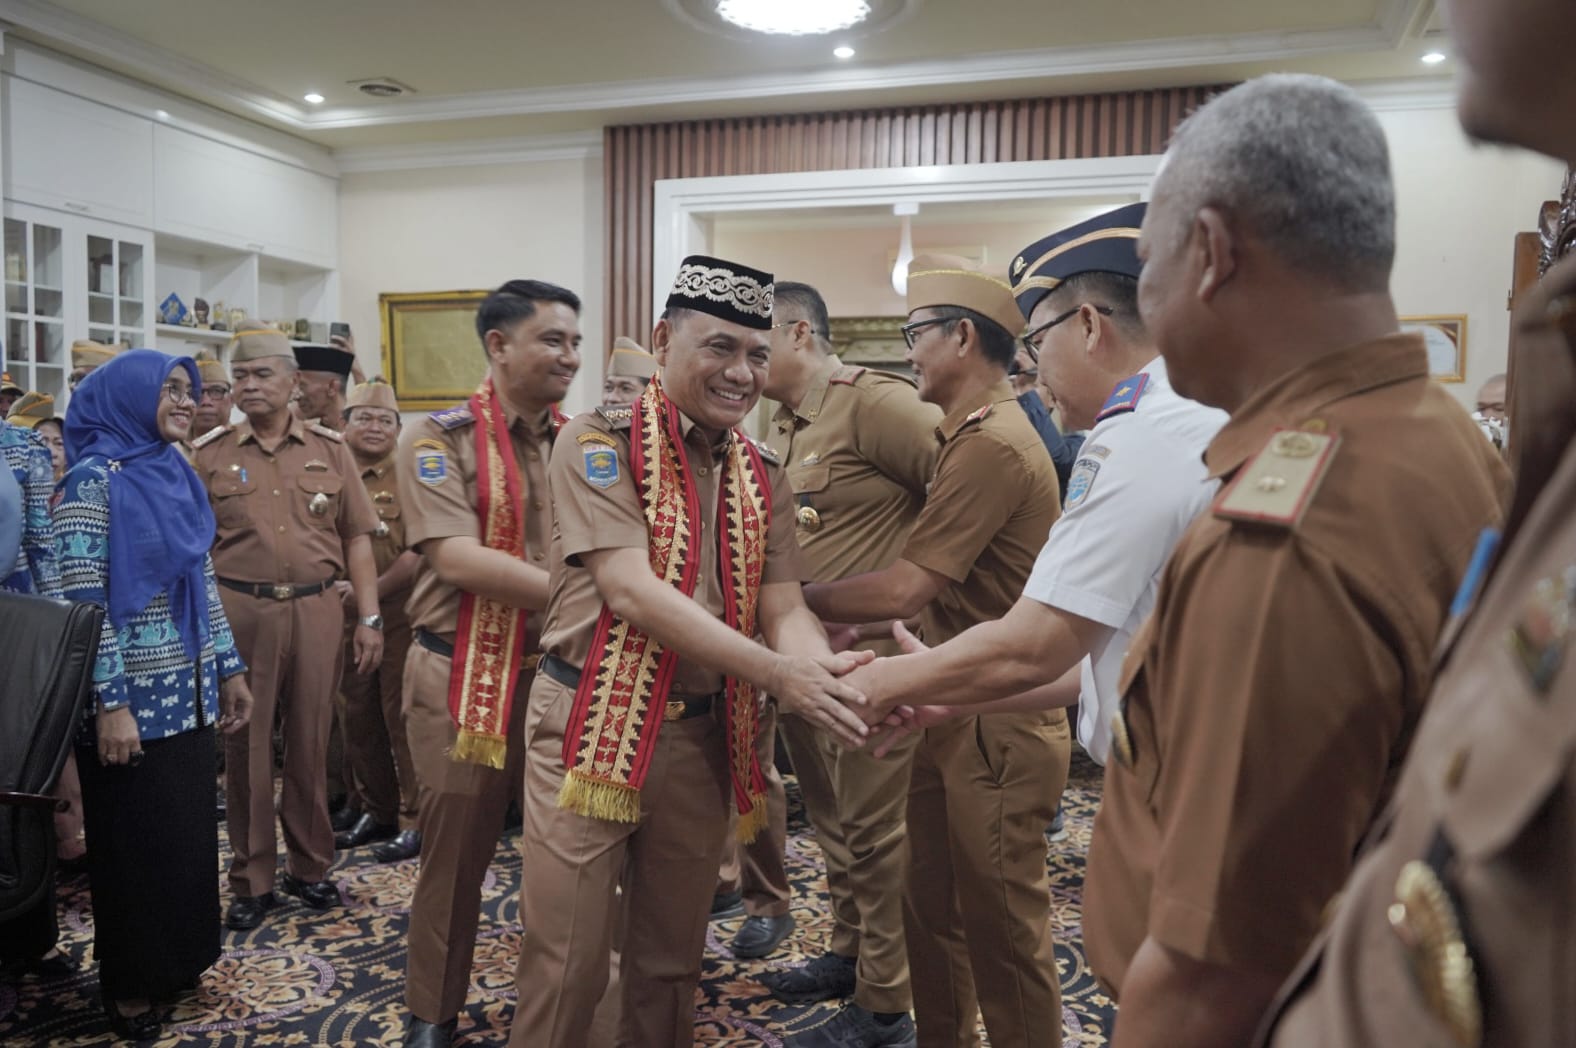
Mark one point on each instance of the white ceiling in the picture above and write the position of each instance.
(494, 68)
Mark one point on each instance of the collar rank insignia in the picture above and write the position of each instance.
(975, 416)
(453, 418)
(846, 375)
(1124, 397)
(619, 416)
(1276, 485)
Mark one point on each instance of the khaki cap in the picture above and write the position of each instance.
(375, 392)
(629, 360)
(212, 372)
(88, 354)
(7, 385)
(944, 280)
(258, 344)
(30, 409)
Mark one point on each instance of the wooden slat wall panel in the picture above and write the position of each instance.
(1129, 123)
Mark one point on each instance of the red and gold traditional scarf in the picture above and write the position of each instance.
(625, 683)
(489, 644)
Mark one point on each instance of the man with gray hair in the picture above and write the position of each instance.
(1267, 703)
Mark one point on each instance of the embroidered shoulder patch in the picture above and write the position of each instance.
(453, 418)
(846, 375)
(1124, 397)
(432, 461)
(595, 437)
(601, 465)
(620, 416)
(323, 431)
(1085, 470)
(209, 437)
(1276, 486)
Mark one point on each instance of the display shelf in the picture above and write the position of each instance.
(193, 334)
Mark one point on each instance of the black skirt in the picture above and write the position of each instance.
(153, 847)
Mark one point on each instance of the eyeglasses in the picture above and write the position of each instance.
(1031, 341)
(910, 331)
(215, 392)
(813, 331)
(177, 393)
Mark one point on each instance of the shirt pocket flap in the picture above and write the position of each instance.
(320, 483)
(227, 483)
(810, 479)
(1509, 763)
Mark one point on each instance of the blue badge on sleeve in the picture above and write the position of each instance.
(601, 464)
(1080, 481)
(432, 466)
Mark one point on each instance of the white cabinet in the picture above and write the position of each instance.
(78, 156)
(216, 193)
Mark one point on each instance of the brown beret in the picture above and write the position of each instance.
(89, 354)
(373, 393)
(944, 280)
(258, 344)
(629, 360)
(30, 409)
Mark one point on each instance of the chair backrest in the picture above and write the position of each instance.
(47, 650)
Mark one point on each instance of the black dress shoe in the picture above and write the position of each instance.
(343, 817)
(246, 911)
(726, 904)
(824, 978)
(320, 895)
(422, 1034)
(144, 1026)
(761, 935)
(406, 844)
(363, 830)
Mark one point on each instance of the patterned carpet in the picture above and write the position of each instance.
(310, 978)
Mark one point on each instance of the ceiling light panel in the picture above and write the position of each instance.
(795, 18)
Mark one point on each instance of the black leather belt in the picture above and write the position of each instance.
(275, 591)
(438, 646)
(680, 707)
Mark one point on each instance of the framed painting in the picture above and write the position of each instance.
(430, 352)
(1446, 338)
(872, 342)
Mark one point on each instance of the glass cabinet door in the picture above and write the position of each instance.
(115, 290)
(35, 322)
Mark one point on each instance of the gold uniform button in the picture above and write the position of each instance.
(1424, 919)
(808, 519)
(1121, 741)
(536, 556)
(281, 529)
(276, 493)
(702, 471)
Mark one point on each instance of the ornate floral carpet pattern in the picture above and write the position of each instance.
(336, 978)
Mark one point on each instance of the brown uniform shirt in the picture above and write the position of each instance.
(435, 466)
(1270, 697)
(990, 507)
(1488, 796)
(859, 451)
(589, 516)
(272, 526)
(388, 538)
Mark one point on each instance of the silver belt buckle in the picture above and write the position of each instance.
(283, 592)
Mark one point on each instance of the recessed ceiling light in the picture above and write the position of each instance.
(1434, 57)
(161, 114)
(843, 52)
(800, 18)
(314, 98)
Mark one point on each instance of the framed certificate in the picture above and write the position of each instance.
(1446, 338)
(431, 354)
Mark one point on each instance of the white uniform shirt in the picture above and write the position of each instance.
(1138, 483)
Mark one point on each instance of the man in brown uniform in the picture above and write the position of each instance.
(628, 370)
(476, 506)
(1266, 704)
(291, 518)
(643, 719)
(369, 703)
(1456, 926)
(977, 903)
(87, 355)
(859, 447)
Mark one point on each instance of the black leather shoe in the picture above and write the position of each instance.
(726, 904)
(320, 895)
(144, 1026)
(422, 1034)
(343, 817)
(824, 978)
(406, 844)
(761, 935)
(246, 911)
(363, 830)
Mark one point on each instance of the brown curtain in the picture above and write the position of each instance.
(1128, 123)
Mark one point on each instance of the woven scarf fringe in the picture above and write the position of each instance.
(491, 751)
(595, 799)
(752, 822)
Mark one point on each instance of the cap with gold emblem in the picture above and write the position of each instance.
(1107, 243)
(331, 359)
(630, 360)
(88, 354)
(8, 386)
(945, 280)
(258, 344)
(375, 392)
(30, 409)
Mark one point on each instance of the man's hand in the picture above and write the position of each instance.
(809, 687)
(235, 704)
(348, 344)
(911, 720)
(347, 594)
(368, 644)
(118, 741)
(841, 635)
(910, 644)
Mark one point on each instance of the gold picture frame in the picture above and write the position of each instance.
(872, 342)
(430, 352)
(1446, 338)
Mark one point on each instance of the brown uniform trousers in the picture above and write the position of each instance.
(666, 864)
(1268, 702)
(1486, 805)
(382, 779)
(859, 449)
(461, 805)
(978, 903)
(283, 516)
(756, 869)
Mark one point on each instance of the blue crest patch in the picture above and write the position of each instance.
(1081, 480)
(601, 464)
(432, 467)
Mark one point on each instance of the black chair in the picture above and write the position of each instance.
(47, 649)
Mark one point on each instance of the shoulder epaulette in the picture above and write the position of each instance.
(975, 416)
(765, 452)
(453, 418)
(209, 437)
(1124, 397)
(847, 375)
(323, 431)
(1275, 486)
(619, 416)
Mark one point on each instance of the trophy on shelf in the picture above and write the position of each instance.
(219, 316)
(200, 313)
(237, 318)
(172, 310)
(303, 329)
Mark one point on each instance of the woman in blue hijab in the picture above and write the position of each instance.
(132, 528)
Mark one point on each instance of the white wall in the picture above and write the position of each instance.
(454, 228)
